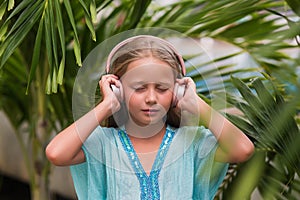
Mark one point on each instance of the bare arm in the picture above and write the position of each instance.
(65, 148)
(234, 145)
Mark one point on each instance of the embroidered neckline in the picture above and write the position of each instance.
(148, 184)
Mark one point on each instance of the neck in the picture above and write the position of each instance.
(145, 132)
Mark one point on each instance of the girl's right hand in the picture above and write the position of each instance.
(66, 147)
(109, 98)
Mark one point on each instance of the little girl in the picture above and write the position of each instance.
(160, 140)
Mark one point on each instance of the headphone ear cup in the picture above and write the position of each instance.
(178, 93)
(118, 92)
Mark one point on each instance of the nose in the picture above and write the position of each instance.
(151, 97)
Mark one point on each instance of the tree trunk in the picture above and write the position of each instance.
(40, 190)
(40, 184)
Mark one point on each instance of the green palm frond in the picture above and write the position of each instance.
(45, 19)
(269, 121)
(21, 108)
(14, 102)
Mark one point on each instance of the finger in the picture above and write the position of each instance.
(108, 77)
(117, 83)
(108, 82)
(188, 81)
(180, 81)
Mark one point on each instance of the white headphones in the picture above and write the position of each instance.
(178, 89)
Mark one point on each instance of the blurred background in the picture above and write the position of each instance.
(248, 68)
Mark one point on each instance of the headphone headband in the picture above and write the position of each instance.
(124, 42)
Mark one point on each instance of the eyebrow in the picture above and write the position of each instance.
(144, 83)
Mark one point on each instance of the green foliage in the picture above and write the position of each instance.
(269, 121)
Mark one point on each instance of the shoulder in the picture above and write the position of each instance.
(101, 133)
(200, 138)
(198, 133)
(99, 139)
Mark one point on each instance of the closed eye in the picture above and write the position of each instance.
(139, 89)
(162, 89)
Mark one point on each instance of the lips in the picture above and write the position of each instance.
(150, 111)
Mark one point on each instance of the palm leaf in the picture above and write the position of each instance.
(275, 132)
(12, 42)
(62, 39)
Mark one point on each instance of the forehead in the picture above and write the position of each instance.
(149, 70)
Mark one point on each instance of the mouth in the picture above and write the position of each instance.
(150, 111)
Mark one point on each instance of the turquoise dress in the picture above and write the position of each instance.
(184, 167)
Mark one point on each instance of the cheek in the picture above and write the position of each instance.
(132, 99)
(168, 99)
(165, 99)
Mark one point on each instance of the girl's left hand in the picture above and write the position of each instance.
(189, 101)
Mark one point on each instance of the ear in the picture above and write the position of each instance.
(178, 93)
